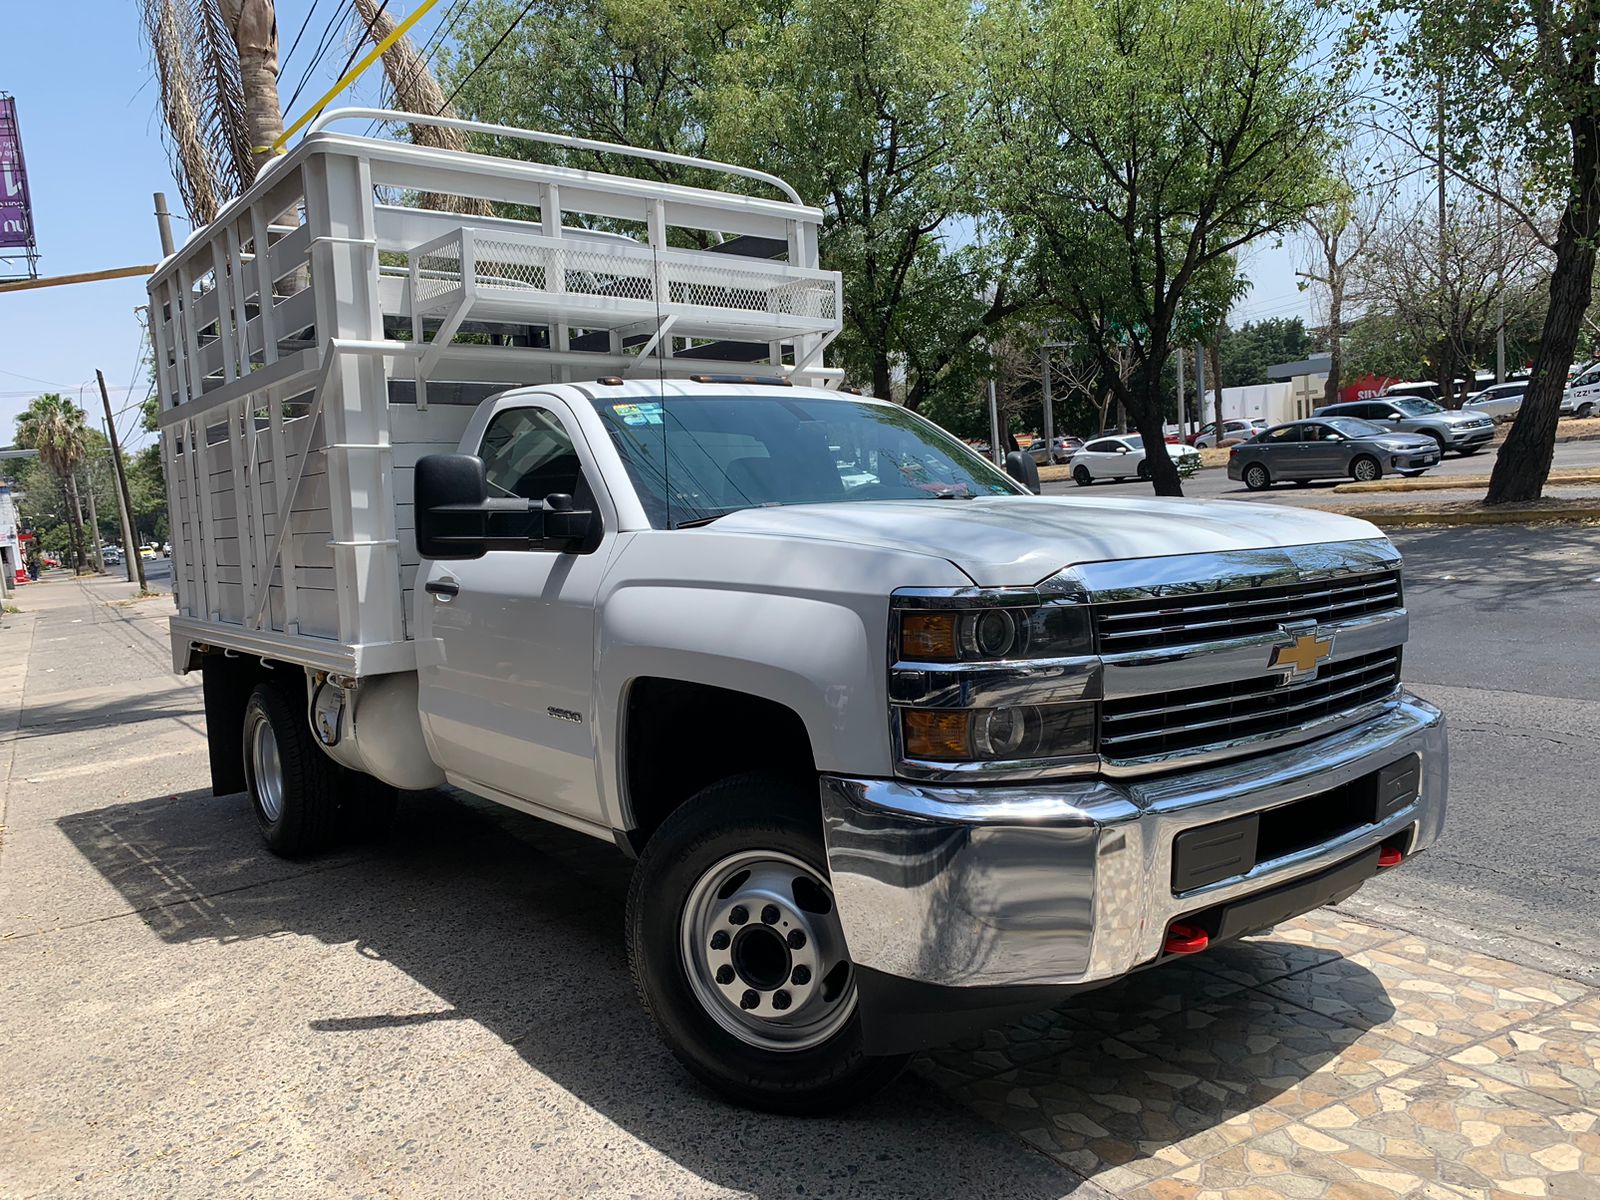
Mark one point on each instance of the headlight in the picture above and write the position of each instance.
(992, 683)
(946, 635)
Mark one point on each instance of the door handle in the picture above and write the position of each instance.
(442, 587)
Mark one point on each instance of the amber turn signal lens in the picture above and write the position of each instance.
(928, 637)
(935, 733)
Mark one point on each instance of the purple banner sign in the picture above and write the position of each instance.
(16, 212)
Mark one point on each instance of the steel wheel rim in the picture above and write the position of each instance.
(747, 968)
(266, 770)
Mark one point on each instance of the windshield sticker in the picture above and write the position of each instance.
(647, 413)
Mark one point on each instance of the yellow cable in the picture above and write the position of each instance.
(377, 53)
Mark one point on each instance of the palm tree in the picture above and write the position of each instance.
(55, 428)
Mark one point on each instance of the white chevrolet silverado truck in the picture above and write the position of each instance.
(566, 510)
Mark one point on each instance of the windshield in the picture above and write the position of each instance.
(1353, 427)
(1413, 407)
(718, 454)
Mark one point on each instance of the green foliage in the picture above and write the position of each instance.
(1246, 353)
(1135, 145)
(860, 104)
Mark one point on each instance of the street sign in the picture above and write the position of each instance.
(16, 209)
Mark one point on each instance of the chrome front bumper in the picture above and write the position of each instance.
(1071, 883)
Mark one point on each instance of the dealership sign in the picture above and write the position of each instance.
(16, 213)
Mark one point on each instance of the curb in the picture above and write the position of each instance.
(1455, 484)
(1513, 516)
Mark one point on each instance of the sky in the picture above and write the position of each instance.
(87, 107)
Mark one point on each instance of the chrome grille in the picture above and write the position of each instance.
(1214, 615)
(1167, 723)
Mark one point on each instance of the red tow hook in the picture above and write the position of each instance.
(1388, 856)
(1186, 939)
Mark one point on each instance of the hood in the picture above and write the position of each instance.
(1451, 417)
(1403, 441)
(1018, 541)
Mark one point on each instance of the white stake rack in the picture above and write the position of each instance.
(313, 342)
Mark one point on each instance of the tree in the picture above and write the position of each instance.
(1448, 322)
(1135, 145)
(861, 105)
(1244, 354)
(1520, 88)
(1341, 231)
(54, 427)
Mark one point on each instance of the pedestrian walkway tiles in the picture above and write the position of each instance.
(1328, 1058)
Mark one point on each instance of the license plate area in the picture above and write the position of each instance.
(1222, 850)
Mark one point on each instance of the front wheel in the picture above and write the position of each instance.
(1144, 470)
(1585, 411)
(739, 955)
(1081, 476)
(1467, 451)
(1365, 469)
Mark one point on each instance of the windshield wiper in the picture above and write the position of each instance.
(696, 522)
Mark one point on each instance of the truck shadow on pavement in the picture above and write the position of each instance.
(516, 925)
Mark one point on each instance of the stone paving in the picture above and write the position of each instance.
(1328, 1058)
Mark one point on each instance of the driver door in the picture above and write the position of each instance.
(1322, 451)
(506, 642)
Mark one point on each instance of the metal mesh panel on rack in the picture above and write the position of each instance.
(439, 271)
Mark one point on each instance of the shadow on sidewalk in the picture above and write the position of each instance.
(517, 925)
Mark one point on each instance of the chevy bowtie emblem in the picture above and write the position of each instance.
(1303, 654)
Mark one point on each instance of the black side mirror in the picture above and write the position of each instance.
(1023, 469)
(453, 509)
(564, 523)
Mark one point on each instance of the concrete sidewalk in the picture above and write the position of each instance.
(449, 1013)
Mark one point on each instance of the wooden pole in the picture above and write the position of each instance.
(23, 285)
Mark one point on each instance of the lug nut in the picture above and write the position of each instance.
(724, 975)
(770, 915)
(797, 939)
(800, 976)
(739, 915)
(719, 940)
(780, 1000)
(749, 1000)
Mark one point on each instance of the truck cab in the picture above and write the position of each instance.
(900, 747)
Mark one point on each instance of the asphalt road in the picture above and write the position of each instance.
(1505, 638)
(1213, 483)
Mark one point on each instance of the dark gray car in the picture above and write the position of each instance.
(1331, 448)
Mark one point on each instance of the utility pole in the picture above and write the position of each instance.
(995, 451)
(130, 549)
(1446, 375)
(1200, 389)
(164, 224)
(1049, 405)
(1182, 406)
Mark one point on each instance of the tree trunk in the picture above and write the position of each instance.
(882, 385)
(254, 25)
(1330, 389)
(75, 522)
(1145, 408)
(1523, 464)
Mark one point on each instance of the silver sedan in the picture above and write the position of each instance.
(1329, 448)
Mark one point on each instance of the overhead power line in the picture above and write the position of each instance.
(484, 61)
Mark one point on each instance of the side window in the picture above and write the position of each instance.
(1284, 433)
(1103, 446)
(528, 453)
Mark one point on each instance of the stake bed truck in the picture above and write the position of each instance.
(567, 511)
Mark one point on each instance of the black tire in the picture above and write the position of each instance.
(1257, 478)
(755, 812)
(1365, 462)
(1468, 451)
(304, 817)
(1144, 470)
(1081, 476)
(1439, 438)
(1585, 410)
